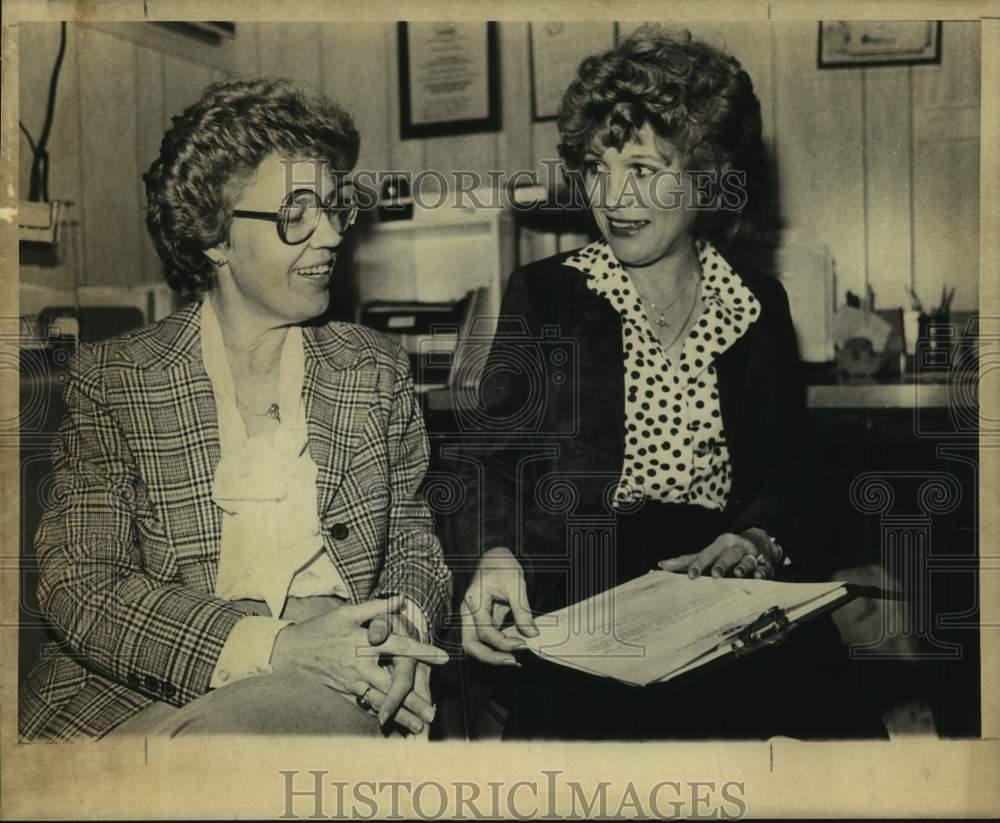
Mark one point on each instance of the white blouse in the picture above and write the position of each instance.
(675, 445)
(271, 542)
(271, 547)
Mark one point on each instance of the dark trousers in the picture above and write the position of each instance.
(805, 688)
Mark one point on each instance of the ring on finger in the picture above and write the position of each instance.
(362, 701)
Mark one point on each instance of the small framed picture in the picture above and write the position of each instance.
(556, 49)
(449, 79)
(845, 43)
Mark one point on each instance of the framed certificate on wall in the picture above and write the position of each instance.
(556, 49)
(449, 79)
(845, 43)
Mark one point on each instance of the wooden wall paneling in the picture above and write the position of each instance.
(183, 84)
(517, 151)
(752, 43)
(110, 201)
(888, 191)
(819, 144)
(472, 153)
(353, 64)
(946, 222)
(544, 149)
(946, 101)
(514, 148)
(846, 139)
(947, 122)
(38, 45)
(151, 122)
(182, 46)
(536, 147)
(292, 50)
(957, 77)
(627, 27)
(246, 55)
(541, 140)
(404, 155)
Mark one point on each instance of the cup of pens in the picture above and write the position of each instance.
(935, 332)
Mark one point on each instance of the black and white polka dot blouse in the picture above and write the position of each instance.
(675, 446)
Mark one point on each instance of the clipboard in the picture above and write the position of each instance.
(664, 630)
(772, 628)
(774, 625)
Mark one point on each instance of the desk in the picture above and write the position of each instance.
(903, 393)
(906, 392)
(898, 487)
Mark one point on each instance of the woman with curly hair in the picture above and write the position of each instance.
(678, 437)
(239, 537)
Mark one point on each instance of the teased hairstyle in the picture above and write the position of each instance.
(220, 141)
(690, 93)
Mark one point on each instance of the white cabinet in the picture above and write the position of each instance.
(439, 254)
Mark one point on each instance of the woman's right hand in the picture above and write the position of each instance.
(497, 588)
(333, 647)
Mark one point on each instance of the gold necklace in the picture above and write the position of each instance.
(661, 320)
(683, 325)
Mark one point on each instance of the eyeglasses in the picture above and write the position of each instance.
(299, 214)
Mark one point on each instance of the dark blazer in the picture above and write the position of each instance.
(129, 547)
(544, 451)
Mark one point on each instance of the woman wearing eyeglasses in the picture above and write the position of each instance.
(238, 539)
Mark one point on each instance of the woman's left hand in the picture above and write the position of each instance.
(408, 675)
(750, 554)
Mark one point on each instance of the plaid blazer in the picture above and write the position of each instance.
(129, 550)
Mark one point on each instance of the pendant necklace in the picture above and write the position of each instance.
(273, 411)
(683, 325)
(661, 311)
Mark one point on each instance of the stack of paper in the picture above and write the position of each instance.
(658, 626)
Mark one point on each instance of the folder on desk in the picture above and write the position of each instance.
(662, 625)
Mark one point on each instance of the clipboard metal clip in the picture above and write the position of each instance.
(770, 629)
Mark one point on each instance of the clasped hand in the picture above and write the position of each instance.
(338, 650)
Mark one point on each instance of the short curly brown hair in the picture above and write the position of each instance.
(690, 93)
(214, 147)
